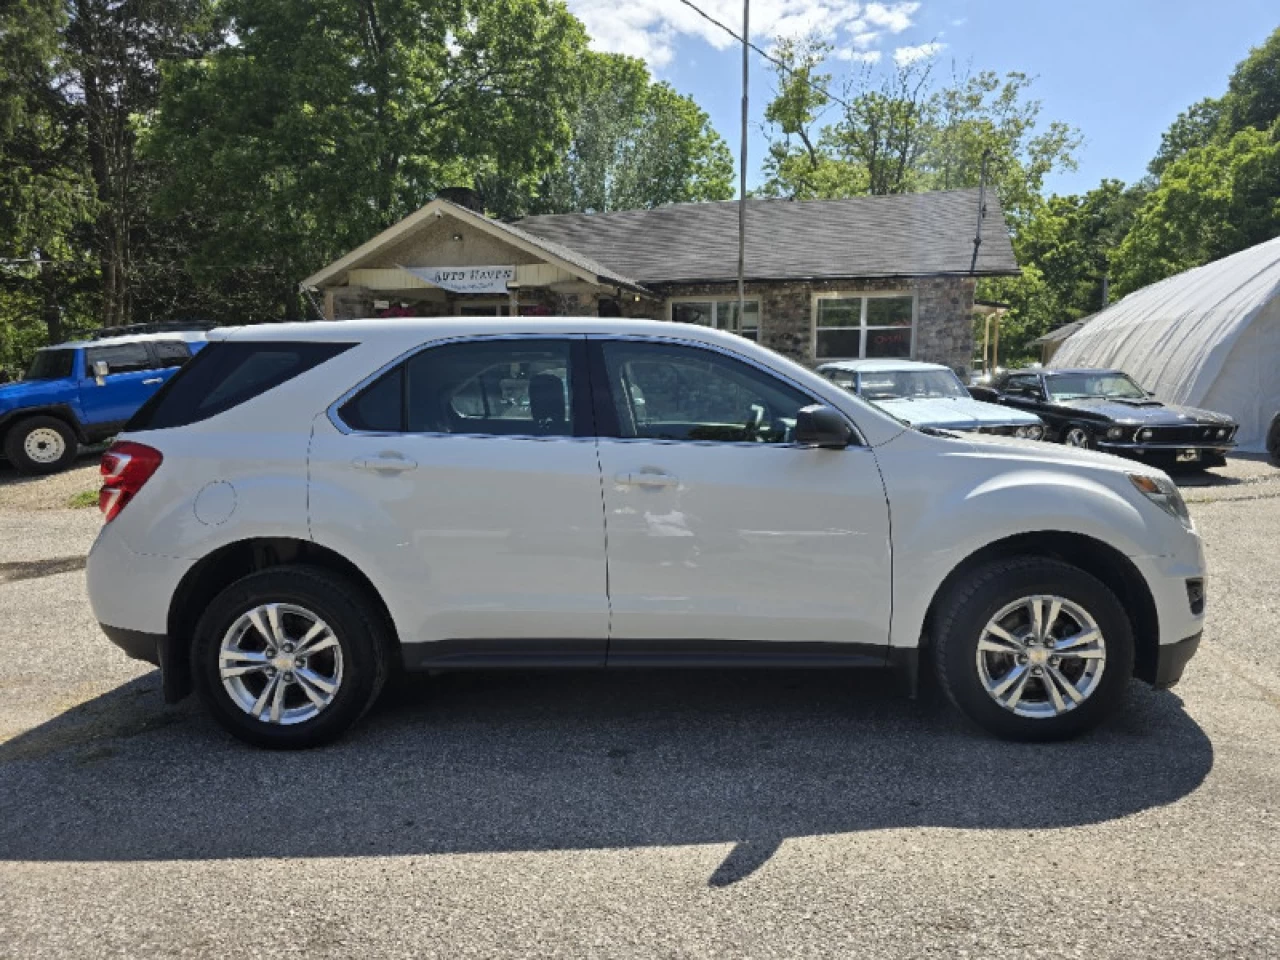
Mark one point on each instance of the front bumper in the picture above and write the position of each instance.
(1171, 660)
(1129, 449)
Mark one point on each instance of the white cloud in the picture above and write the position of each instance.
(894, 17)
(859, 56)
(959, 21)
(649, 29)
(905, 56)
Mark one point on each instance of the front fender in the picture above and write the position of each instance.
(946, 508)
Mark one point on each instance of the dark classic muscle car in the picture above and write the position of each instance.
(1107, 410)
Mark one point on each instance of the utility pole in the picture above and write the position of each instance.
(742, 170)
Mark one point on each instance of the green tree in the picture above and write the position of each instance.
(320, 122)
(47, 199)
(1253, 93)
(800, 163)
(906, 132)
(1217, 187)
(634, 144)
(1211, 202)
(1194, 127)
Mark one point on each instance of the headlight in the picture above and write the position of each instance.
(1145, 434)
(1020, 432)
(1164, 494)
(1222, 433)
(1035, 432)
(1115, 433)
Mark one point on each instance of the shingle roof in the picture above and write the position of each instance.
(607, 274)
(919, 234)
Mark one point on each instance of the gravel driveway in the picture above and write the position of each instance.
(676, 815)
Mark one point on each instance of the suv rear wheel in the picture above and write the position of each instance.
(39, 445)
(290, 657)
(1033, 649)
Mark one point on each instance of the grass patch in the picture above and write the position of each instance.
(86, 498)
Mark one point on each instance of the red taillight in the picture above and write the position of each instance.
(126, 466)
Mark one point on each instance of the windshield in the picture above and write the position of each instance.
(910, 385)
(1074, 386)
(51, 365)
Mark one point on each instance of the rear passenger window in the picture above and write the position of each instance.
(496, 387)
(120, 357)
(225, 375)
(171, 353)
(379, 407)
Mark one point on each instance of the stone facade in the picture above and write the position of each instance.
(944, 308)
(944, 312)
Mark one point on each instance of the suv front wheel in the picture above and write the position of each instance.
(1031, 648)
(290, 657)
(39, 445)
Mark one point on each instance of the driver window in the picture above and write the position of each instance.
(673, 392)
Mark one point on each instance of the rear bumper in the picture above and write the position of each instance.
(158, 649)
(135, 643)
(1172, 659)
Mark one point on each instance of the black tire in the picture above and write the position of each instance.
(354, 620)
(1273, 439)
(1090, 442)
(963, 613)
(16, 449)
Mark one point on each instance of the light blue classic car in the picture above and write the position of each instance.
(929, 395)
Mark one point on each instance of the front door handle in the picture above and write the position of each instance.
(385, 464)
(151, 380)
(646, 480)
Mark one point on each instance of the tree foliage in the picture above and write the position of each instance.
(174, 159)
(1218, 178)
(905, 131)
(634, 144)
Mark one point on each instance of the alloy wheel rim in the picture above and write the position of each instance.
(1041, 656)
(44, 445)
(281, 664)
(1077, 437)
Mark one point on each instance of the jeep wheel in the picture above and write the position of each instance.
(1033, 649)
(40, 445)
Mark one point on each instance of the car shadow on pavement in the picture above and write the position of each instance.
(467, 763)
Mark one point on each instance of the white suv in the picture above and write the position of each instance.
(305, 508)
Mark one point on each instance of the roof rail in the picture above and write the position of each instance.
(170, 326)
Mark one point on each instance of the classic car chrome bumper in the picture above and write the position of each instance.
(1218, 446)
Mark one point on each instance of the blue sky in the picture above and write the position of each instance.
(1120, 71)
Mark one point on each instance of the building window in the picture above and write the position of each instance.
(720, 313)
(847, 325)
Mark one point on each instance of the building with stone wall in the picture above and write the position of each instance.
(825, 279)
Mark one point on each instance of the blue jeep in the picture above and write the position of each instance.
(83, 392)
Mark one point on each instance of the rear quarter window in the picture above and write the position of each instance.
(225, 375)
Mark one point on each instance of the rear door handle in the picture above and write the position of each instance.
(151, 380)
(646, 480)
(385, 464)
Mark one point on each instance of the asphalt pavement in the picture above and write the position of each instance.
(688, 814)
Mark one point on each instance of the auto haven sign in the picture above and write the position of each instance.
(466, 279)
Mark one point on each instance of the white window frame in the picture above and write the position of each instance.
(716, 300)
(865, 296)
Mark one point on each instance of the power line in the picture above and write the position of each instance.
(768, 56)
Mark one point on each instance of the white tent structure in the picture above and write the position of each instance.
(1209, 338)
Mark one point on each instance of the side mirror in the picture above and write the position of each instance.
(987, 394)
(100, 370)
(820, 426)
